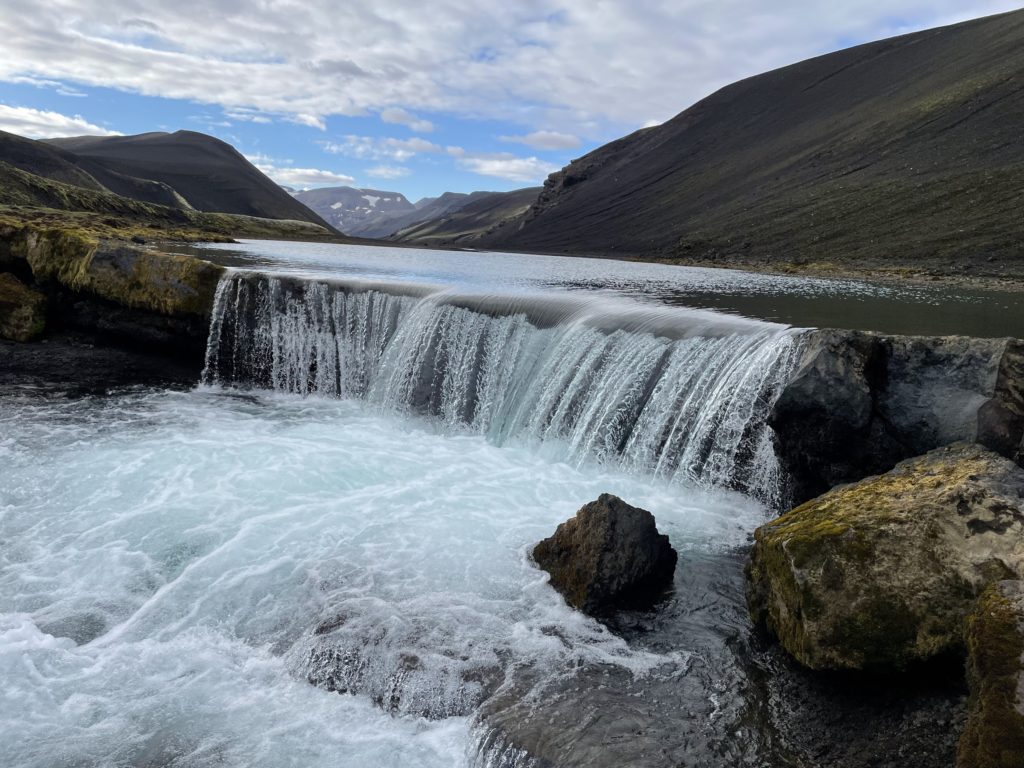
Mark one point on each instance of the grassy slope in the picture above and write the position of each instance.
(25, 197)
(902, 154)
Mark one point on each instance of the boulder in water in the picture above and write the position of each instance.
(994, 735)
(882, 573)
(609, 555)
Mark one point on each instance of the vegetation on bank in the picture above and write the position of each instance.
(994, 735)
(28, 199)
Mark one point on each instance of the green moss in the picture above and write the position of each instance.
(22, 310)
(858, 578)
(994, 735)
(171, 284)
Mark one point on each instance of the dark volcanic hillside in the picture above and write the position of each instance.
(208, 173)
(50, 162)
(907, 151)
(466, 223)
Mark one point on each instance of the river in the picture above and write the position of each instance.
(319, 556)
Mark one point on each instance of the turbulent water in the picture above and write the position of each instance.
(167, 558)
(675, 394)
(320, 555)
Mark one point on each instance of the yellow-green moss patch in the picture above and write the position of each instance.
(994, 735)
(880, 574)
(22, 310)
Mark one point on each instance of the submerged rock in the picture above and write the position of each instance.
(994, 735)
(881, 574)
(609, 555)
(860, 402)
(22, 310)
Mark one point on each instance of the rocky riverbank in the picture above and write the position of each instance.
(84, 313)
(860, 402)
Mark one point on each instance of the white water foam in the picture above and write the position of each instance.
(168, 557)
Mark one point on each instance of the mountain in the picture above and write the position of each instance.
(48, 202)
(454, 216)
(902, 151)
(429, 208)
(50, 162)
(207, 173)
(358, 212)
(472, 218)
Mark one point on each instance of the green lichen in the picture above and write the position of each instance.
(22, 310)
(994, 734)
(140, 278)
(860, 578)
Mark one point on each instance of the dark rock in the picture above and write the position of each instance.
(22, 310)
(994, 735)
(861, 402)
(609, 555)
(81, 364)
(881, 574)
(102, 295)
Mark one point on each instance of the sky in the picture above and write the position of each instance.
(415, 96)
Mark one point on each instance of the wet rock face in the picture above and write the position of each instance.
(608, 556)
(994, 735)
(882, 573)
(22, 310)
(861, 402)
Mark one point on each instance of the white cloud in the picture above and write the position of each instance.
(301, 178)
(380, 148)
(311, 121)
(569, 66)
(40, 124)
(546, 140)
(247, 115)
(402, 117)
(389, 172)
(504, 165)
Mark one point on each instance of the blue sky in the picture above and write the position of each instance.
(421, 97)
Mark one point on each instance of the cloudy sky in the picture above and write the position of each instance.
(419, 96)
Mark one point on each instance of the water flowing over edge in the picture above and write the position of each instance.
(676, 394)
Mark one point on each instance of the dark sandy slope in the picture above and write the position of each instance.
(906, 151)
(480, 214)
(208, 173)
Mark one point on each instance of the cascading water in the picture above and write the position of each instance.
(679, 394)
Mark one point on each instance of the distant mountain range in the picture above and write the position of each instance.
(357, 212)
(900, 151)
(475, 217)
(444, 220)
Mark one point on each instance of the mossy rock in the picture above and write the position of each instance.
(881, 574)
(22, 310)
(138, 278)
(994, 735)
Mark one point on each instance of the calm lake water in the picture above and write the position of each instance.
(797, 301)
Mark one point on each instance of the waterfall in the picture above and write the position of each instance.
(679, 394)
